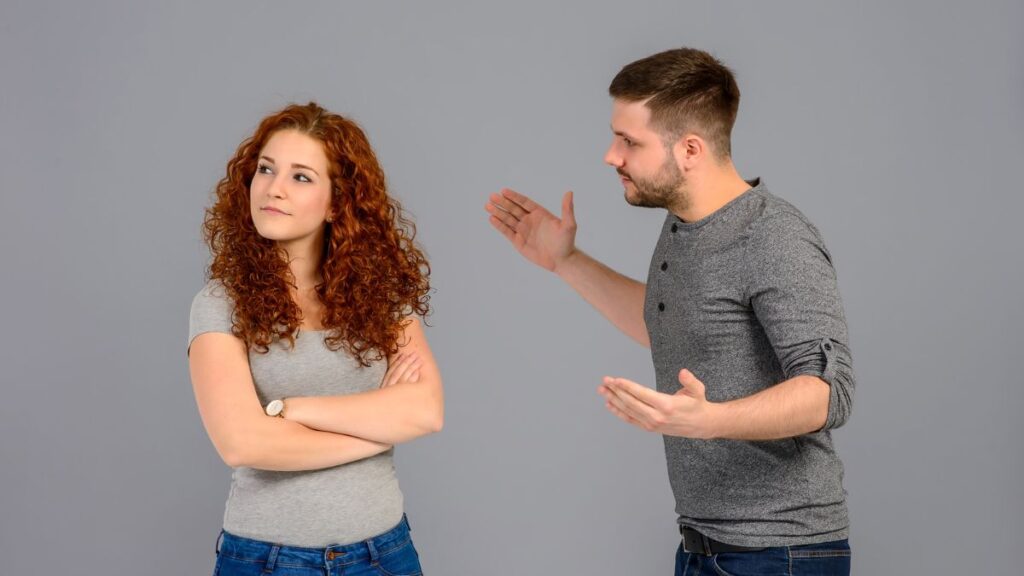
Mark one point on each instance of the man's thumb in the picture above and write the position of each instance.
(690, 385)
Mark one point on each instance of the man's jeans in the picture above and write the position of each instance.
(825, 559)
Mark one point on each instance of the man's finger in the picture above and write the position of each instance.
(523, 201)
(503, 228)
(690, 385)
(568, 212)
(631, 404)
(509, 206)
(628, 405)
(622, 415)
(505, 217)
(640, 392)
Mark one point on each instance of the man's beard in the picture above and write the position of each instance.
(663, 190)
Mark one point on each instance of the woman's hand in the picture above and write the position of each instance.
(403, 368)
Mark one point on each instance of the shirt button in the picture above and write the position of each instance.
(664, 266)
(661, 306)
(674, 228)
(828, 345)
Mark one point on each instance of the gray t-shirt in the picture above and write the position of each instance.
(746, 298)
(314, 508)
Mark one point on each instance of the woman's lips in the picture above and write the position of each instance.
(273, 210)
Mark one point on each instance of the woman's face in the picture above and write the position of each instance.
(290, 193)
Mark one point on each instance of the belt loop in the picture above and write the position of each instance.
(271, 559)
(374, 556)
(706, 544)
(216, 547)
(405, 519)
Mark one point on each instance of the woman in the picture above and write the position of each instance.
(307, 357)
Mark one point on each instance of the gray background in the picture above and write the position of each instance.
(894, 126)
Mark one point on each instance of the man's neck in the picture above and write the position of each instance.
(709, 192)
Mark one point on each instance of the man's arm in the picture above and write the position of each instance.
(794, 294)
(549, 242)
(791, 408)
(241, 432)
(390, 415)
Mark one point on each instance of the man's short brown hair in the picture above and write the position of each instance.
(686, 90)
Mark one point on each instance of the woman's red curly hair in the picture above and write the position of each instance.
(373, 273)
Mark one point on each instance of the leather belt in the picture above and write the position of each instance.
(696, 543)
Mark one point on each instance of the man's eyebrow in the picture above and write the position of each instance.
(621, 133)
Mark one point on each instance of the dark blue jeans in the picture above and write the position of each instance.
(389, 554)
(825, 559)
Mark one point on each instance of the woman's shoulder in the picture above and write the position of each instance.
(211, 310)
(212, 295)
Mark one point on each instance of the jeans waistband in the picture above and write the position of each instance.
(335, 555)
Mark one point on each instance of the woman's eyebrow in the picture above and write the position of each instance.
(294, 165)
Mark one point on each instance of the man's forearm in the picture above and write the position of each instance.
(390, 415)
(618, 298)
(790, 408)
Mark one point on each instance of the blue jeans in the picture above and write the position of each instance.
(825, 559)
(389, 554)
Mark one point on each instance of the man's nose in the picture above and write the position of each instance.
(612, 158)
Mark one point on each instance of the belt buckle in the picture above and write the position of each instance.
(700, 542)
(706, 544)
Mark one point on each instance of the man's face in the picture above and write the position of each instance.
(646, 167)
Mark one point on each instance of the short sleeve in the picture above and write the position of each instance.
(794, 293)
(211, 311)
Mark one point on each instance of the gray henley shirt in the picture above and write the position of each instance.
(747, 298)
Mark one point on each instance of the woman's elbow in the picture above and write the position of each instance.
(237, 452)
(436, 423)
(431, 420)
(232, 456)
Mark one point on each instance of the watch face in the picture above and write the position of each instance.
(275, 407)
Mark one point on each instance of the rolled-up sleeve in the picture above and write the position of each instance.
(793, 291)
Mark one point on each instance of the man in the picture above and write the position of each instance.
(742, 314)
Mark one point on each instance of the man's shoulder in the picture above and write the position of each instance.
(778, 219)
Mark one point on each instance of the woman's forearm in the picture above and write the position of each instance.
(277, 444)
(390, 415)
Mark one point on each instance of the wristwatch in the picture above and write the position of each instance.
(275, 408)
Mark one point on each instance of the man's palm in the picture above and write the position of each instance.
(534, 231)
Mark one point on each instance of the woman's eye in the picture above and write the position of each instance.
(302, 178)
(263, 169)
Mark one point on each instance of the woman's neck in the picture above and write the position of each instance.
(303, 259)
